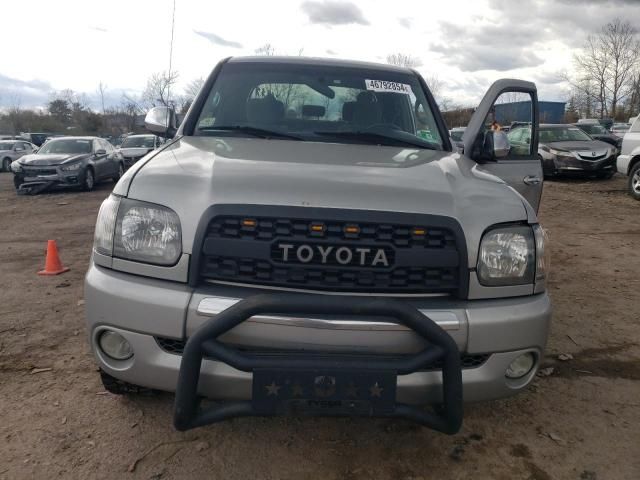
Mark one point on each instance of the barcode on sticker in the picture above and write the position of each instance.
(387, 86)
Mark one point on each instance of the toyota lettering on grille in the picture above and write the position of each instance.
(331, 254)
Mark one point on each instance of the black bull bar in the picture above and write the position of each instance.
(447, 418)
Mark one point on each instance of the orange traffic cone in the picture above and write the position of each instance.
(53, 265)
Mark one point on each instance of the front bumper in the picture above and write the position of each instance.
(145, 309)
(570, 164)
(49, 177)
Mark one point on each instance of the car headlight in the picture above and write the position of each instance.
(507, 256)
(16, 167)
(71, 167)
(560, 153)
(139, 231)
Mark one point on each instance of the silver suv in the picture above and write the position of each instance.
(309, 242)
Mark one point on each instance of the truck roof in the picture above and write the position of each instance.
(326, 62)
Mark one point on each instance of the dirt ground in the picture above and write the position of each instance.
(581, 422)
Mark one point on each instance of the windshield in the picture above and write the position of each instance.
(563, 134)
(6, 145)
(67, 146)
(133, 142)
(593, 129)
(319, 103)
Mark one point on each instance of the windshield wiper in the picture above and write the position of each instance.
(380, 138)
(253, 131)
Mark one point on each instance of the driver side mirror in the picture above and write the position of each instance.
(161, 121)
(101, 151)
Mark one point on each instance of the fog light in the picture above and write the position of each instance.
(521, 366)
(115, 345)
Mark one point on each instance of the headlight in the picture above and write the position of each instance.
(16, 167)
(140, 231)
(560, 153)
(148, 233)
(71, 167)
(507, 256)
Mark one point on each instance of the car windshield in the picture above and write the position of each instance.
(6, 145)
(66, 146)
(457, 135)
(594, 129)
(319, 103)
(133, 142)
(563, 134)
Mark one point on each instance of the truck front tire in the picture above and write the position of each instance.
(634, 181)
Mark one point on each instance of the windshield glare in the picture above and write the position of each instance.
(319, 103)
(137, 142)
(6, 145)
(66, 146)
(563, 134)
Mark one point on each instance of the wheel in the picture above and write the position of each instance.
(89, 180)
(120, 387)
(606, 175)
(120, 173)
(6, 165)
(634, 181)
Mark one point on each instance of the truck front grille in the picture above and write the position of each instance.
(334, 252)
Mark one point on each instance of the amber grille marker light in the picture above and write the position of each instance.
(351, 229)
(317, 227)
(419, 231)
(249, 222)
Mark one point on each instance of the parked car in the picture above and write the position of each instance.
(134, 147)
(68, 162)
(628, 162)
(567, 149)
(11, 150)
(619, 129)
(598, 132)
(359, 248)
(456, 137)
(37, 138)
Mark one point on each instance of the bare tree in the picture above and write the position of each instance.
(267, 50)
(403, 60)
(193, 87)
(435, 85)
(158, 89)
(606, 65)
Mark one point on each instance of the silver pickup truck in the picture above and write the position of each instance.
(308, 242)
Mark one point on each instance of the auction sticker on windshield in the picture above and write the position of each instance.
(386, 86)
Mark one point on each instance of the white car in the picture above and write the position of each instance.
(628, 162)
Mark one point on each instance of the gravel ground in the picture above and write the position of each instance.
(579, 422)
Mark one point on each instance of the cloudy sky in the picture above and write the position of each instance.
(53, 45)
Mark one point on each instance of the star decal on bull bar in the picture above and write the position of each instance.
(272, 389)
(376, 390)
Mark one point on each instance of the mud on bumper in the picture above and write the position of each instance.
(320, 384)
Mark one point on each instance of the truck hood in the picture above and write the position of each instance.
(50, 159)
(194, 173)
